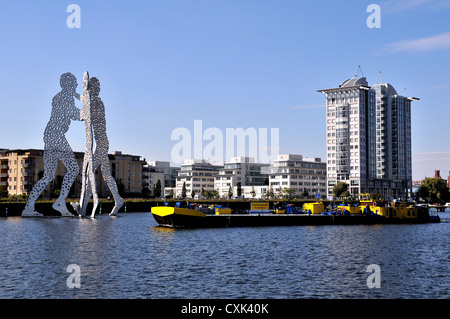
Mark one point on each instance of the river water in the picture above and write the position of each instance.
(130, 257)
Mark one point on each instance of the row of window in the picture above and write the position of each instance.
(298, 177)
(297, 183)
(180, 185)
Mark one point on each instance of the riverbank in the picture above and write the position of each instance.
(15, 208)
(10, 209)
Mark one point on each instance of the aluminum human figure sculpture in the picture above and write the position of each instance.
(88, 184)
(97, 145)
(57, 148)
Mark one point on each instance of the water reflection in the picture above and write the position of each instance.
(131, 257)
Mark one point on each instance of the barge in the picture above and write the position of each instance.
(370, 210)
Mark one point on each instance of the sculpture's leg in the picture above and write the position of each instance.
(93, 188)
(95, 198)
(118, 204)
(71, 164)
(84, 186)
(81, 207)
(87, 197)
(76, 207)
(106, 172)
(50, 163)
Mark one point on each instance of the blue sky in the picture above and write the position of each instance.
(234, 63)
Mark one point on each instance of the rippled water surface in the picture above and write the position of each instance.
(130, 257)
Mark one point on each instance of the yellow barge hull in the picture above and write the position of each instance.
(191, 218)
(177, 217)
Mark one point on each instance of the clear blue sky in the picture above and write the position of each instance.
(235, 63)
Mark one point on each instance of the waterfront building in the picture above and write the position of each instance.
(368, 138)
(150, 176)
(127, 171)
(306, 176)
(170, 172)
(196, 175)
(169, 192)
(242, 170)
(253, 192)
(154, 170)
(21, 169)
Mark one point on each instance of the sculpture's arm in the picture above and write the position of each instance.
(75, 113)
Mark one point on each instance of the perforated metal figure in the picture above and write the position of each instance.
(97, 146)
(57, 148)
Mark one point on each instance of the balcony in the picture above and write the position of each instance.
(28, 172)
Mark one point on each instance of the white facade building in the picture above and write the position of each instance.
(196, 175)
(159, 170)
(254, 192)
(368, 138)
(240, 169)
(303, 175)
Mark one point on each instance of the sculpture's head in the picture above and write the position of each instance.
(68, 82)
(85, 81)
(94, 86)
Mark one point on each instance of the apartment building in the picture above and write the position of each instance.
(150, 176)
(127, 171)
(368, 138)
(195, 175)
(244, 170)
(21, 169)
(304, 175)
(154, 170)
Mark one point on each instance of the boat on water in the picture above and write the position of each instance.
(371, 209)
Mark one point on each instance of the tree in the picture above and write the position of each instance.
(3, 191)
(57, 186)
(433, 189)
(192, 193)
(183, 190)
(56, 192)
(120, 187)
(339, 189)
(288, 193)
(145, 192)
(203, 192)
(345, 194)
(305, 193)
(230, 192)
(157, 192)
(238, 189)
(270, 193)
(253, 192)
(170, 193)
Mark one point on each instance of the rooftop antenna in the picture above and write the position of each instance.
(379, 77)
(359, 67)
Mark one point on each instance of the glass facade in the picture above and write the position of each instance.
(368, 138)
